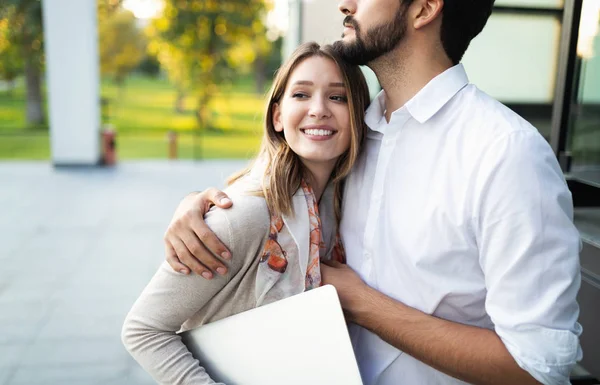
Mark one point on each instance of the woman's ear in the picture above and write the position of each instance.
(277, 124)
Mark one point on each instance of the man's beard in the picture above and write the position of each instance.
(377, 41)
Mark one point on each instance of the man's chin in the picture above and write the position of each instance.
(346, 39)
(349, 50)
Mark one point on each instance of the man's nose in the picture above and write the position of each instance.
(347, 7)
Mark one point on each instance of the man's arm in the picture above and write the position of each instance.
(189, 242)
(469, 353)
(528, 253)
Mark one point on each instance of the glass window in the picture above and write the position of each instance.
(515, 60)
(530, 3)
(584, 141)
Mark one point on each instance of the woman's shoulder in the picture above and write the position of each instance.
(248, 210)
(244, 225)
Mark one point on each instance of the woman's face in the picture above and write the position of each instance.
(313, 113)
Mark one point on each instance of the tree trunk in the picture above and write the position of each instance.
(120, 82)
(202, 111)
(180, 102)
(10, 83)
(35, 113)
(259, 70)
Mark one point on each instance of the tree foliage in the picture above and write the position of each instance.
(202, 43)
(11, 61)
(25, 37)
(122, 45)
(24, 28)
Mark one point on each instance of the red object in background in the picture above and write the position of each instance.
(109, 154)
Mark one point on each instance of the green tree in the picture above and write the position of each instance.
(175, 62)
(11, 63)
(122, 45)
(25, 32)
(201, 43)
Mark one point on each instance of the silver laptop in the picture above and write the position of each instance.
(299, 340)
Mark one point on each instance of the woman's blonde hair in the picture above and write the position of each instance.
(284, 170)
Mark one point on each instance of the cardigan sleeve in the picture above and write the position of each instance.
(149, 330)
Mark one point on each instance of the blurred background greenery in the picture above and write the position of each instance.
(200, 68)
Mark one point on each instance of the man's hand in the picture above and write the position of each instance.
(352, 290)
(469, 353)
(189, 242)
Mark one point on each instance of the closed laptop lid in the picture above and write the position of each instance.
(299, 340)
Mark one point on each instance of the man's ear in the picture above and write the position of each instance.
(426, 12)
(277, 123)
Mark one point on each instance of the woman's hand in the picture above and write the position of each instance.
(189, 242)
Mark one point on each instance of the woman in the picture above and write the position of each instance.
(313, 132)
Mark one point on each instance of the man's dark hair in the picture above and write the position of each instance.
(462, 20)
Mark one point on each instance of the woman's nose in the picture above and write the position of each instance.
(319, 108)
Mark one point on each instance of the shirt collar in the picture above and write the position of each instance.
(428, 101)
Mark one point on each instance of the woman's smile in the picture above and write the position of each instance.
(318, 132)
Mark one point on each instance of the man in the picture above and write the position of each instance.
(457, 222)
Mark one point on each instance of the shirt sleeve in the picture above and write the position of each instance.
(529, 253)
(149, 330)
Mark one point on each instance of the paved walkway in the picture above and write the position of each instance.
(76, 248)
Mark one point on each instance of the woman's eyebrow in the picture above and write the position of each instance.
(309, 83)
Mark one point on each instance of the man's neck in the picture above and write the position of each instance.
(403, 72)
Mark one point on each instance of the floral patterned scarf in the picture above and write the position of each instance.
(275, 257)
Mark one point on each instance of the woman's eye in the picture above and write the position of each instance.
(299, 95)
(340, 98)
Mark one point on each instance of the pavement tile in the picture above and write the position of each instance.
(82, 322)
(17, 332)
(77, 246)
(10, 356)
(75, 351)
(69, 374)
(136, 375)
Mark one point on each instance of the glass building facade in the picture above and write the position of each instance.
(576, 139)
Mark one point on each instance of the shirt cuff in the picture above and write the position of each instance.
(547, 354)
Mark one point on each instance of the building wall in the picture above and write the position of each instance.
(590, 84)
(322, 21)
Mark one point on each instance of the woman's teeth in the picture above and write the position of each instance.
(318, 132)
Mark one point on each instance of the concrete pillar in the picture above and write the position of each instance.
(293, 37)
(72, 81)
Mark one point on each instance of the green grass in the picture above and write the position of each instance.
(189, 146)
(31, 146)
(147, 105)
(142, 146)
(142, 113)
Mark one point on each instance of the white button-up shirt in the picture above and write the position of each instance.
(457, 207)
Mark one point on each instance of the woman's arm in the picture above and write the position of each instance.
(149, 331)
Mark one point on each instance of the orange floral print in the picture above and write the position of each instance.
(276, 257)
(273, 253)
